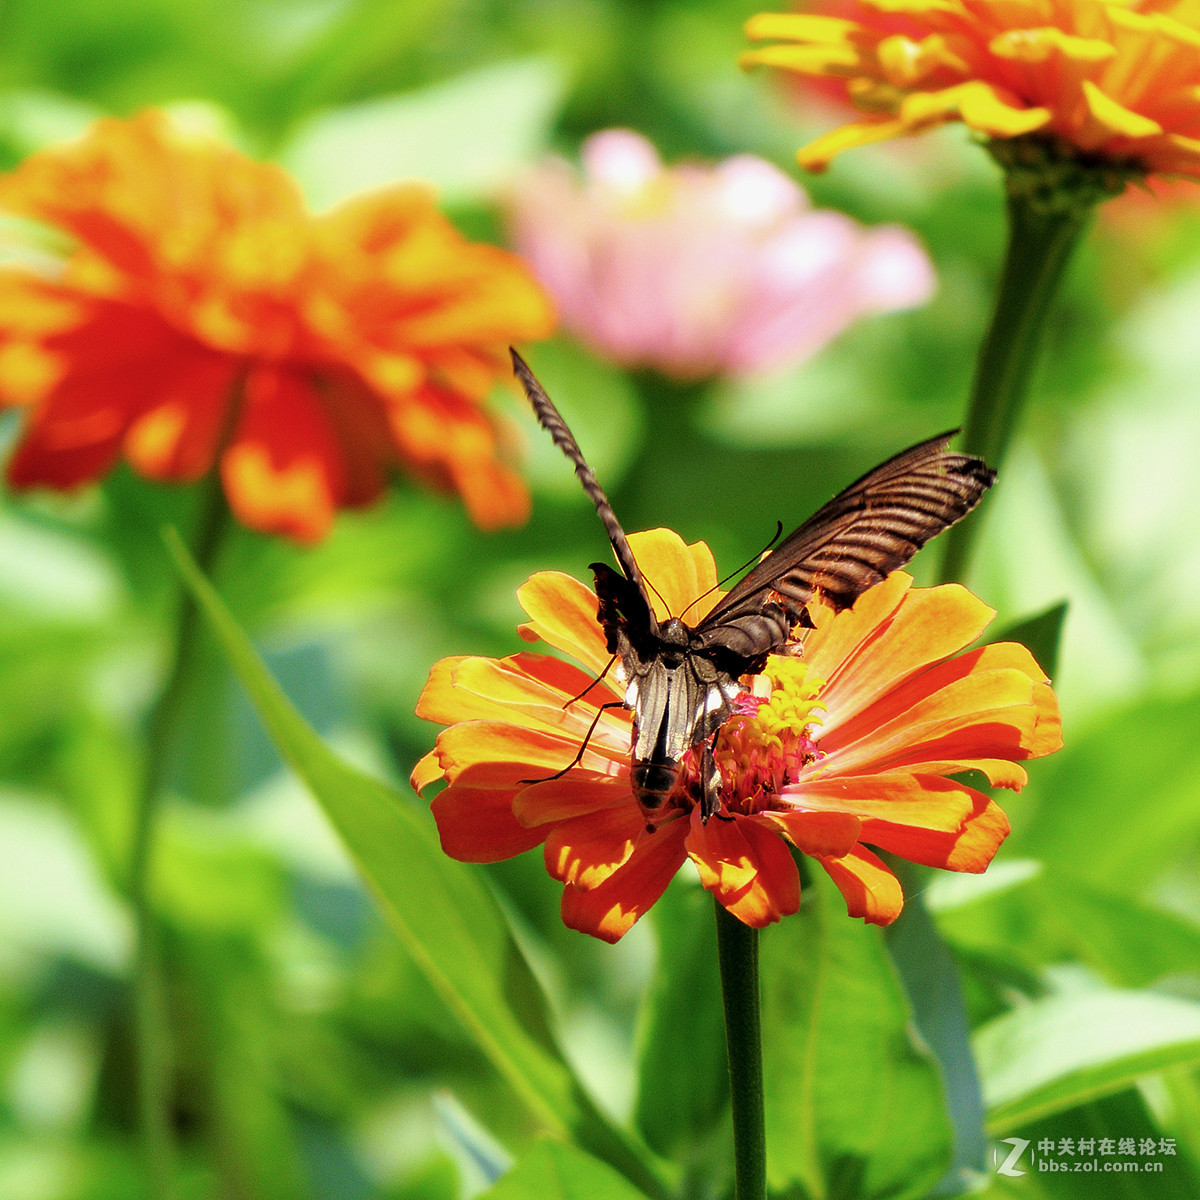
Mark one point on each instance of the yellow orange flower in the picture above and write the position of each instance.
(1115, 80)
(201, 316)
(847, 747)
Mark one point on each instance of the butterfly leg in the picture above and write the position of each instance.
(576, 699)
(587, 738)
(710, 781)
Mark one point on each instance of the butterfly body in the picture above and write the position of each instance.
(681, 680)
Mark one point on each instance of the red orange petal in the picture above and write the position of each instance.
(870, 889)
(588, 849)
(748, 868)
(609, 910)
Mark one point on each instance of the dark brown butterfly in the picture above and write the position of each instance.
(681, 680)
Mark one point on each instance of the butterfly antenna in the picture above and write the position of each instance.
(748, 563)
(661, 600)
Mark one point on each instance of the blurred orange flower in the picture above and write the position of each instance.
(847, 747)
(202, 316)
(1116, 80)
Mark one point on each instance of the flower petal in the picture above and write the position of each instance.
(563, 614)
(679, 573)
(609, 910)
(871, 890)
(284, 472)
(475, 819)
(890, 644)
(747, 866)
(818, 834)
(587, 850)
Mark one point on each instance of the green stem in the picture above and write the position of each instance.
(737, 951)
(1040, 243)
(151, 1037)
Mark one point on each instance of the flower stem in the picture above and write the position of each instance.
(1041, 238)
(737, 952)
(153, 1063)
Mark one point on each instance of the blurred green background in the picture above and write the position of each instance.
(314, 1059)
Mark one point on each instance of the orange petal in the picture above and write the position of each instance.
(285, 472)
(587, 850)
(991, 714)
(563, 614)
(871, 890)
(475, 819)
(534, 751)
(928, 625)
(838, 636)
(969, 848)
(818, 834)
(177, 437)
(898, 798)
(540, 684)
(609, 910)
(747, 866)
(575, 794)
(678, 572)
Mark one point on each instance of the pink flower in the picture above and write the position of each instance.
(699, 271)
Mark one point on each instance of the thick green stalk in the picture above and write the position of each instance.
(737, 951)
(1040, 244)
(152, 1045)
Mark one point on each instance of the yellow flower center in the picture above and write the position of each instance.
(759, 751)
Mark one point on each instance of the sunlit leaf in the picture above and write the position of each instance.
(854, 1103)
(1053, 1054)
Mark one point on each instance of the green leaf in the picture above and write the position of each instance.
(1053, 1054)
(466, 137)
(1118, 802)
(854, 1104)
(551, 1171)
(445, 916)
(1051, 917)
(1041, 634)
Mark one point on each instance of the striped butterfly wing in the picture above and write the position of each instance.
(631, 601)
(852, 543)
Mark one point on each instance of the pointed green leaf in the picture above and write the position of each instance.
(1056, 1053)
(1041, 634)
(445, 916)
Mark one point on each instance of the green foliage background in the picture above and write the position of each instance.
(338, 1042)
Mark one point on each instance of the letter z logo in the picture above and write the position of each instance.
(1009, 1165)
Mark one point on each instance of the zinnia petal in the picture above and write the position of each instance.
(871, 890)
(609, 910)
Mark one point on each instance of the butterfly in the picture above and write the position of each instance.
(681, 680)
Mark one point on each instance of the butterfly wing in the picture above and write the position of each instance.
(850, 544)
(626, 599)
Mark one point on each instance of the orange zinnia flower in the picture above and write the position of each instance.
(202, 316)
(849, 746)
(1116, 80)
